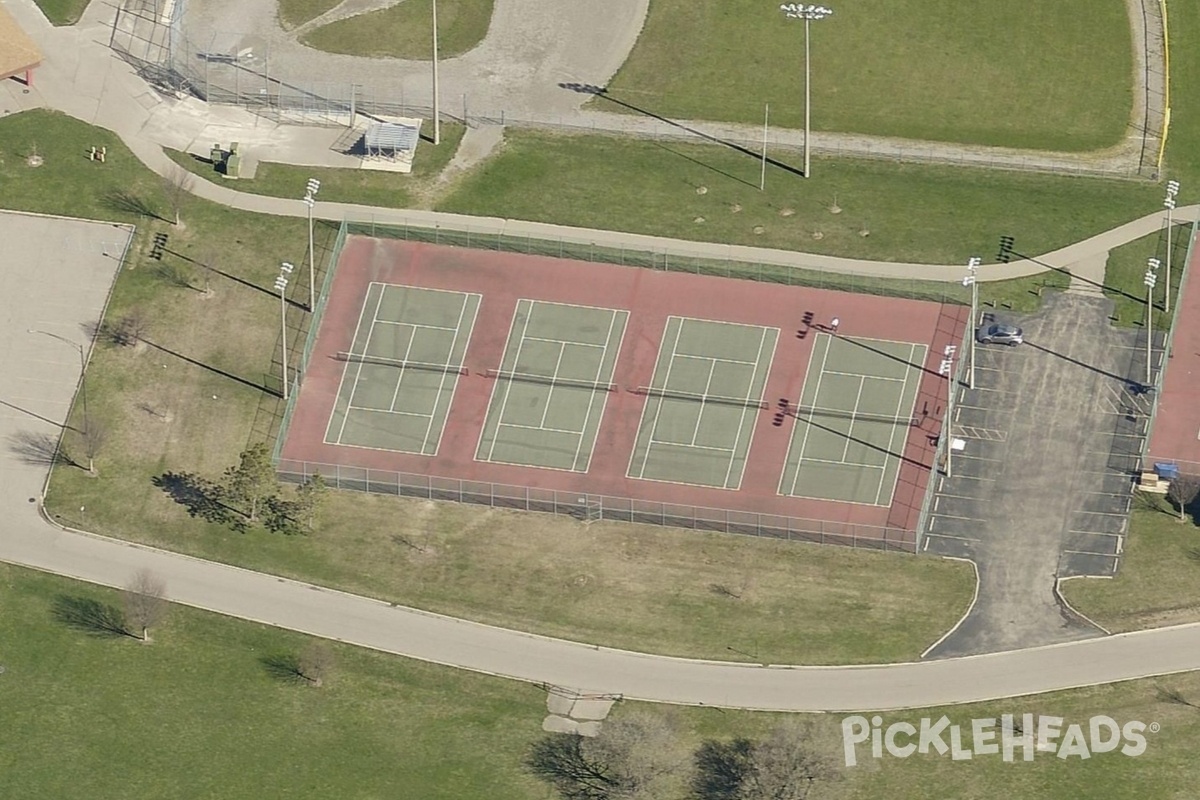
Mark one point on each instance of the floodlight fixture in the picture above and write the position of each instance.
(808, 13)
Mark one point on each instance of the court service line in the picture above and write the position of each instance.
(512, 327)
(612, 322)
(383, 411)
(872, 377)
(712, 368)
(538, 428)
(847, 464)
(400, 378)
(366, 346)
(762, 341)
(563, 341)
(414, 324)
(462, 312)
(721, 358)
(862, 381)
(562, 350)
(808, 424)
(658, 407)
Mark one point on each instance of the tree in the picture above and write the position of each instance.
(1182, 491)
(314, 663)
(783, 766)
(311, 495)
(93, 435)
(252, 480)
(207, 261)
(145, 601)
(632, 758)
(177, 185)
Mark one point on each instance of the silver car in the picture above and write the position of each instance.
(998, 333)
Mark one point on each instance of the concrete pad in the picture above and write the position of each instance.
(591, 709)
(55, 275)
(557, 724)
(560, 704)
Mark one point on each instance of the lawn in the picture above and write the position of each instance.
(204, 712)
(294, 13)
(1047, 76)
(889, 212)
(199, 713)
(202, 386)
(1159, 581)
(362, 186)
(1124, 277)
(63, 12)
(405, 30)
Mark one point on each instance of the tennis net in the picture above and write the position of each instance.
(668, 394)
(525, 377)
(424, 366)
(811, 412)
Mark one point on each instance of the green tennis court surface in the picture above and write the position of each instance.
(552, 386)
(402, 369)
(853, 420)
(702, 403)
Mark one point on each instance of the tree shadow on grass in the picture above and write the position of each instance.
(202, 498)
(131, 203)
(90, 616)
(283, 666)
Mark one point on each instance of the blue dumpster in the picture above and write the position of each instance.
(1166, 470)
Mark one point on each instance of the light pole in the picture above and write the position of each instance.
(310, 200)
(948, 423)
(1169, 204)
(1150, 278)
(82, 368)
(807, 13)
(437, 117)
(972, 280)
(281, 283)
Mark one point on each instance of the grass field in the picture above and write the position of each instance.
(293, 13)
(362, 186)
(405, 30)
(1159, 581)
(63, 12)
(1048, 76)
(1124, 277)
(548, 574)
(201, 713)
(922, 214)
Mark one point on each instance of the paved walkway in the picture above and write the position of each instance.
(82, 79)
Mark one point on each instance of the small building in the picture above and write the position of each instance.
(19, 56)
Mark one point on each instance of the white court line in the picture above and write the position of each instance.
(538, 428)
(762, 341)
(612, 323)
(891, 448)
(722, 358)
(712, 368)
(462, 312)
(413, 324)
(658, 408)
(845, 463)
(385, 411)
(808, 426)
(516, 361)
(713, 448)
(562, 349)
(512, 327)
(366, 346)
(564, 341)
(872, 377)
(400, 376)
(862, 381)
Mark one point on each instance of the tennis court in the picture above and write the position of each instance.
(552, 386)
(402, 368)
(853, 420)
(702, 403)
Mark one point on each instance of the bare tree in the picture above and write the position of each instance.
(145, 601)
(786, 766)
(314, 662)
(311, 496)
(177, 185)
(1182, 491)
(93, 435)
(207, 261)
(721, 769)
(635, 757)
(130, 329)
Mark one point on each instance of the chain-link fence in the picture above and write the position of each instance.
(594, 507)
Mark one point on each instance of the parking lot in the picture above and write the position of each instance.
(1042, 488)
